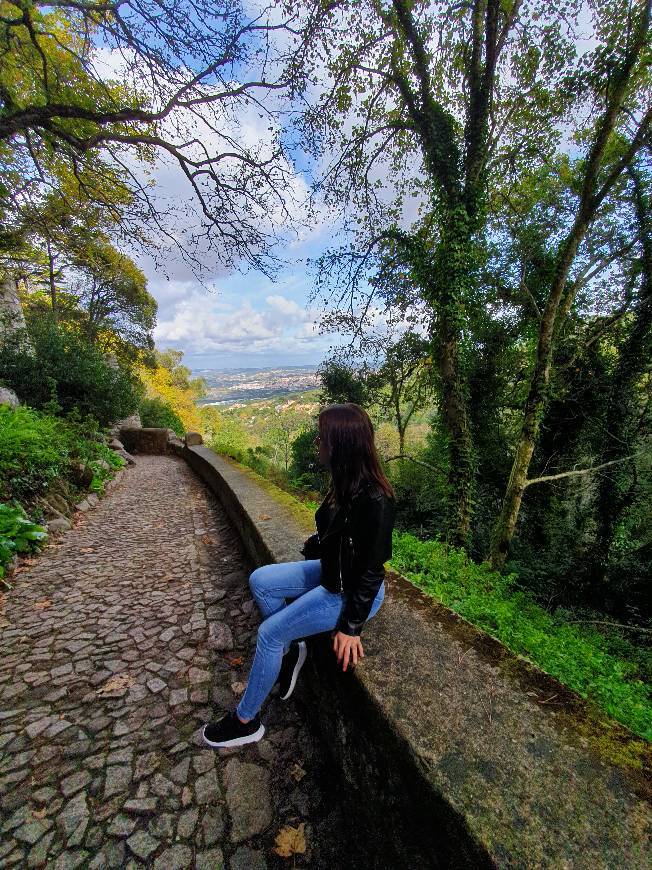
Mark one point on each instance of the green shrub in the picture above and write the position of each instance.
(157, 413)
(103, 456)
(34, 449)
(305, 471)
(61, 367)
(18, 534)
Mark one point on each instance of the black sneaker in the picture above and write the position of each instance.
(292, 663)
(230, 731)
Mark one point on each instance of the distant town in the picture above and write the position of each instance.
(231, 386)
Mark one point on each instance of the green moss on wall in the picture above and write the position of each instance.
(300, 513)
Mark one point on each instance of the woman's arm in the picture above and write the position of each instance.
(311, 547)
(371, 530)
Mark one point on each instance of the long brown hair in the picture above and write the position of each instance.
(348, 434)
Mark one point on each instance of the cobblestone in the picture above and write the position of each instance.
(103, 693)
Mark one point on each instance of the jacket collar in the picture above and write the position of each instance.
(336, 523)
(338, 518)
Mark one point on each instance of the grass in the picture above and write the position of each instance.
(579, 656)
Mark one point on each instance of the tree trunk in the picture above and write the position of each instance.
(12, 318)
(451, 285)
(614, 492)
(503, 531)
(53, 287)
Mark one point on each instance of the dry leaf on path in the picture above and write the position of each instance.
(234, 661)
(43, 604)
(264, 517)
(87, 550)
(297, 772)
(115, 683)
(238, 688)
(290, 841)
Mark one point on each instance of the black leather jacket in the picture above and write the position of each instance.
(353, 543)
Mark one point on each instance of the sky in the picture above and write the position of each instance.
(239, 319)
(236, 318)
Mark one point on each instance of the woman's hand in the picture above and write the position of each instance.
(347, 646)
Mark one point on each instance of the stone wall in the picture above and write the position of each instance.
(453, 752)
(144, 440)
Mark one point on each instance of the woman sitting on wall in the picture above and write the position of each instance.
(338, 587)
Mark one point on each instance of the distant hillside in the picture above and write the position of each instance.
(299, 406)
(229, 386)
(270, 406)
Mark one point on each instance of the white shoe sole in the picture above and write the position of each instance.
(237, 741)
(303, 652)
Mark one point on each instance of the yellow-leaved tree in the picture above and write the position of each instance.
(170, 382)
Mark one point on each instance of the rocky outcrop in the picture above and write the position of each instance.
(8, 397)
(11, 312)
(116, 445)
(133, 422)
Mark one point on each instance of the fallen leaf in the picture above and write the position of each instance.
(43, 604)
(207, 540)
(264, 517)
(238, 688)
(297, 772)
(234, 661)
(115, 683)
(87, 550)
(290, 841)
(39, 814)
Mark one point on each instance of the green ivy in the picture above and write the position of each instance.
(18, 534)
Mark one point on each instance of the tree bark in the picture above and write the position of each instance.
(51, 281)
(12, 318)
(450, 288)
(614, 492)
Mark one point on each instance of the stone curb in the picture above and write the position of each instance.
(454, 752)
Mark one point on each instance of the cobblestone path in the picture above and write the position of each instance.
(116, 645)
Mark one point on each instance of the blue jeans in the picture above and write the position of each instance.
(313, 610)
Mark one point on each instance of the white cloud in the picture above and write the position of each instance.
(197, 326)
(286, 306)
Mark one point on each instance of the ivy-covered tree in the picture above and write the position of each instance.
(434, 110)
(433, 97)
